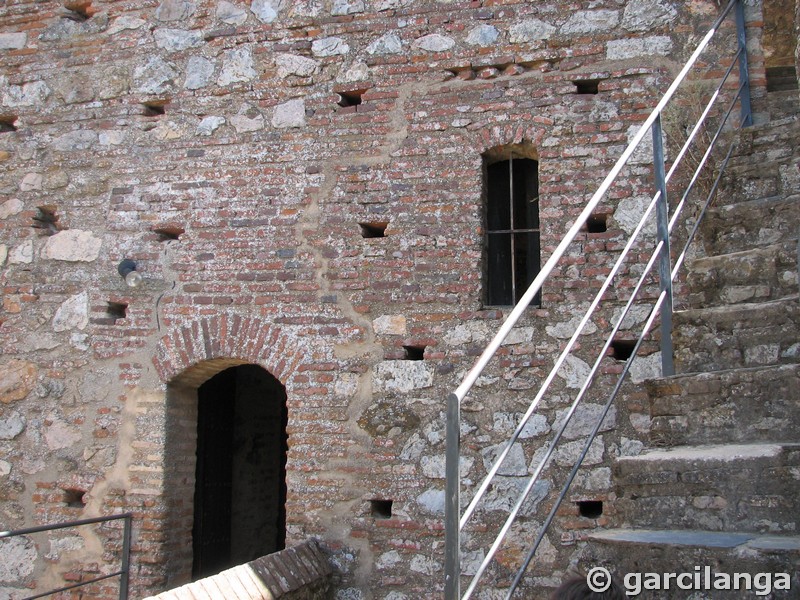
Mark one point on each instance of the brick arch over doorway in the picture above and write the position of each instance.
(186, 359)
(192, 353)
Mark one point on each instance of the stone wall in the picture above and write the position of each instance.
(240, 152)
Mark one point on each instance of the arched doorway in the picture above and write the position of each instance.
(240, 471)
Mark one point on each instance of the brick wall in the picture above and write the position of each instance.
(222, 146)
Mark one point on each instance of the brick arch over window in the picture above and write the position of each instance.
(192, 353)
(508, 135)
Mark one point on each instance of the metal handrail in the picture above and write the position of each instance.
(124, 571)
(663, 307)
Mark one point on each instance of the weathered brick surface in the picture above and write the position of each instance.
(207, 141)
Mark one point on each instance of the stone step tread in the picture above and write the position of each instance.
(632, 550)
(712, 453)
(740, 335)
(739, 312)
(767, 250)
(700, 538)
(756, 274)
(781, 127)
(760, 165)
(745, 405)
(674, 384)
(752, 223)
(775, 170)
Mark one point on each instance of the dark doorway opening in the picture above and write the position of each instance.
(240, 477)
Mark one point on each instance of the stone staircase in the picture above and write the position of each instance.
(719, 484)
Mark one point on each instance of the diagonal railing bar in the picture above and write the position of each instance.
(547, 268)
(584, 321)
(599, 421)
(667, 272)
(609, 280)
(593, 434)
(568, 416)
(124, 571)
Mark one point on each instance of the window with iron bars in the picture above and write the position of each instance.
(512, 238)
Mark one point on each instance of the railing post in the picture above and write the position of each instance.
(452, 508)
(664, 262)
(126, 558)
(744, 70)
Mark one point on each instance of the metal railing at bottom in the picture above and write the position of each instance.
(125, 560)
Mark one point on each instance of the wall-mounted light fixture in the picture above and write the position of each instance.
(127, 270)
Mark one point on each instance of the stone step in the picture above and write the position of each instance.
(746, 225)
(775, 138)
(765, 174)
(739, 336)
(756, 275)
(629, 553)
(783, 103)
(725, 487)
(740, 406)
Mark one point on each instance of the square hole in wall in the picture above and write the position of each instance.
(597, 223)
(116, 311)
(46, 220)
(169, 232)
(373, 230)
(155, 108)
(781, 79)
(414, 352)
(8, 123)
(350, 98)
(73, 497)
(381, 509)
(587, 86)
(622, 349)
(590, 509)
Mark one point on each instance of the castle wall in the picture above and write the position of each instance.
(237, 152)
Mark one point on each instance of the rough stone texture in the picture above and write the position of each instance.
(332, 46)
(199, 71)
(231, 14)
(156, 76)
(175, 10)
(590, 21)
(290, 114)
(19, 556)
(73, 245)
(530, 31)
(10, 208)
(11, 426)
(265, 11)
(176, 40)
(389, 43)
(390, 325)
(73, 313)
(237, 65)
(641, 15)
(639, 47)
(243, 205)
(16, 380)
(13, 41)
